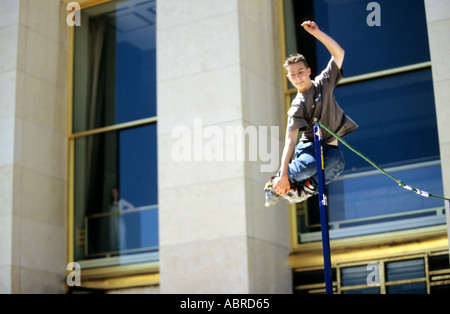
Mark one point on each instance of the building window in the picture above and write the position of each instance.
(113, 141)
(388, 91)
(427, 273)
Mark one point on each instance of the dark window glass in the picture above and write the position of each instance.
(115, 65)
(396, 117)
(354, 276)
(411, 288)
(395, 113)
(115, 169)
(402, 38)
(373, 290)
(116, 191)
(403, 270)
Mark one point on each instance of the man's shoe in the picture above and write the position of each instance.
(308, 188)
(272, 197)
(299, 192)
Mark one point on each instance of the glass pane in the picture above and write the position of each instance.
(355, 207)
(354, 276)
(438, 262)
(359, 197)
(402, 38)
(116, 192)
(130, 230)
(115, 65)
(297, 40)
(396, 117)
(402, 270)
(443, 290)
(411, 288)
(308, 277)
(135, 29)
(374, 290)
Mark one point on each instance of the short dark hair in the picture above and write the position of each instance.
(295, 58)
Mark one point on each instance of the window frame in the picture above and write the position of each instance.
(431, 278)
(135, 273)
(289, 92)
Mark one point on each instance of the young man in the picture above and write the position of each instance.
(297, 178)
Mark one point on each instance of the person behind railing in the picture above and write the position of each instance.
(117, 232)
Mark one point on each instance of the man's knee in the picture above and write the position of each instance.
(334, 165)
(302, 168)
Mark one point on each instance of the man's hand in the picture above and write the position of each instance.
(311, 27)
(333, 47)
(282, 185)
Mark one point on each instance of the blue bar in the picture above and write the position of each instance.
(323, 209)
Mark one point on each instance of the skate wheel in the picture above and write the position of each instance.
(268, 186)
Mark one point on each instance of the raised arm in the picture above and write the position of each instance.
(333, 47)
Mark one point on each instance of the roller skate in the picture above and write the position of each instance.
(298, 193)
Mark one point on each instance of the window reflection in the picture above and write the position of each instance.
(116, 189)
(396, 117)
(115, 164)
(402, 38)
(395, 113)
(115, 65)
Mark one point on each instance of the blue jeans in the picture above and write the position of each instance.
(303, 165)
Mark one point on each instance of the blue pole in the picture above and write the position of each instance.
(323, 209)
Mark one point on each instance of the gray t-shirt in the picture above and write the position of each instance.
(319, 102)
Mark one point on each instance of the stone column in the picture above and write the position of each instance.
(438, 22)
(33, 141)
(219, 71)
